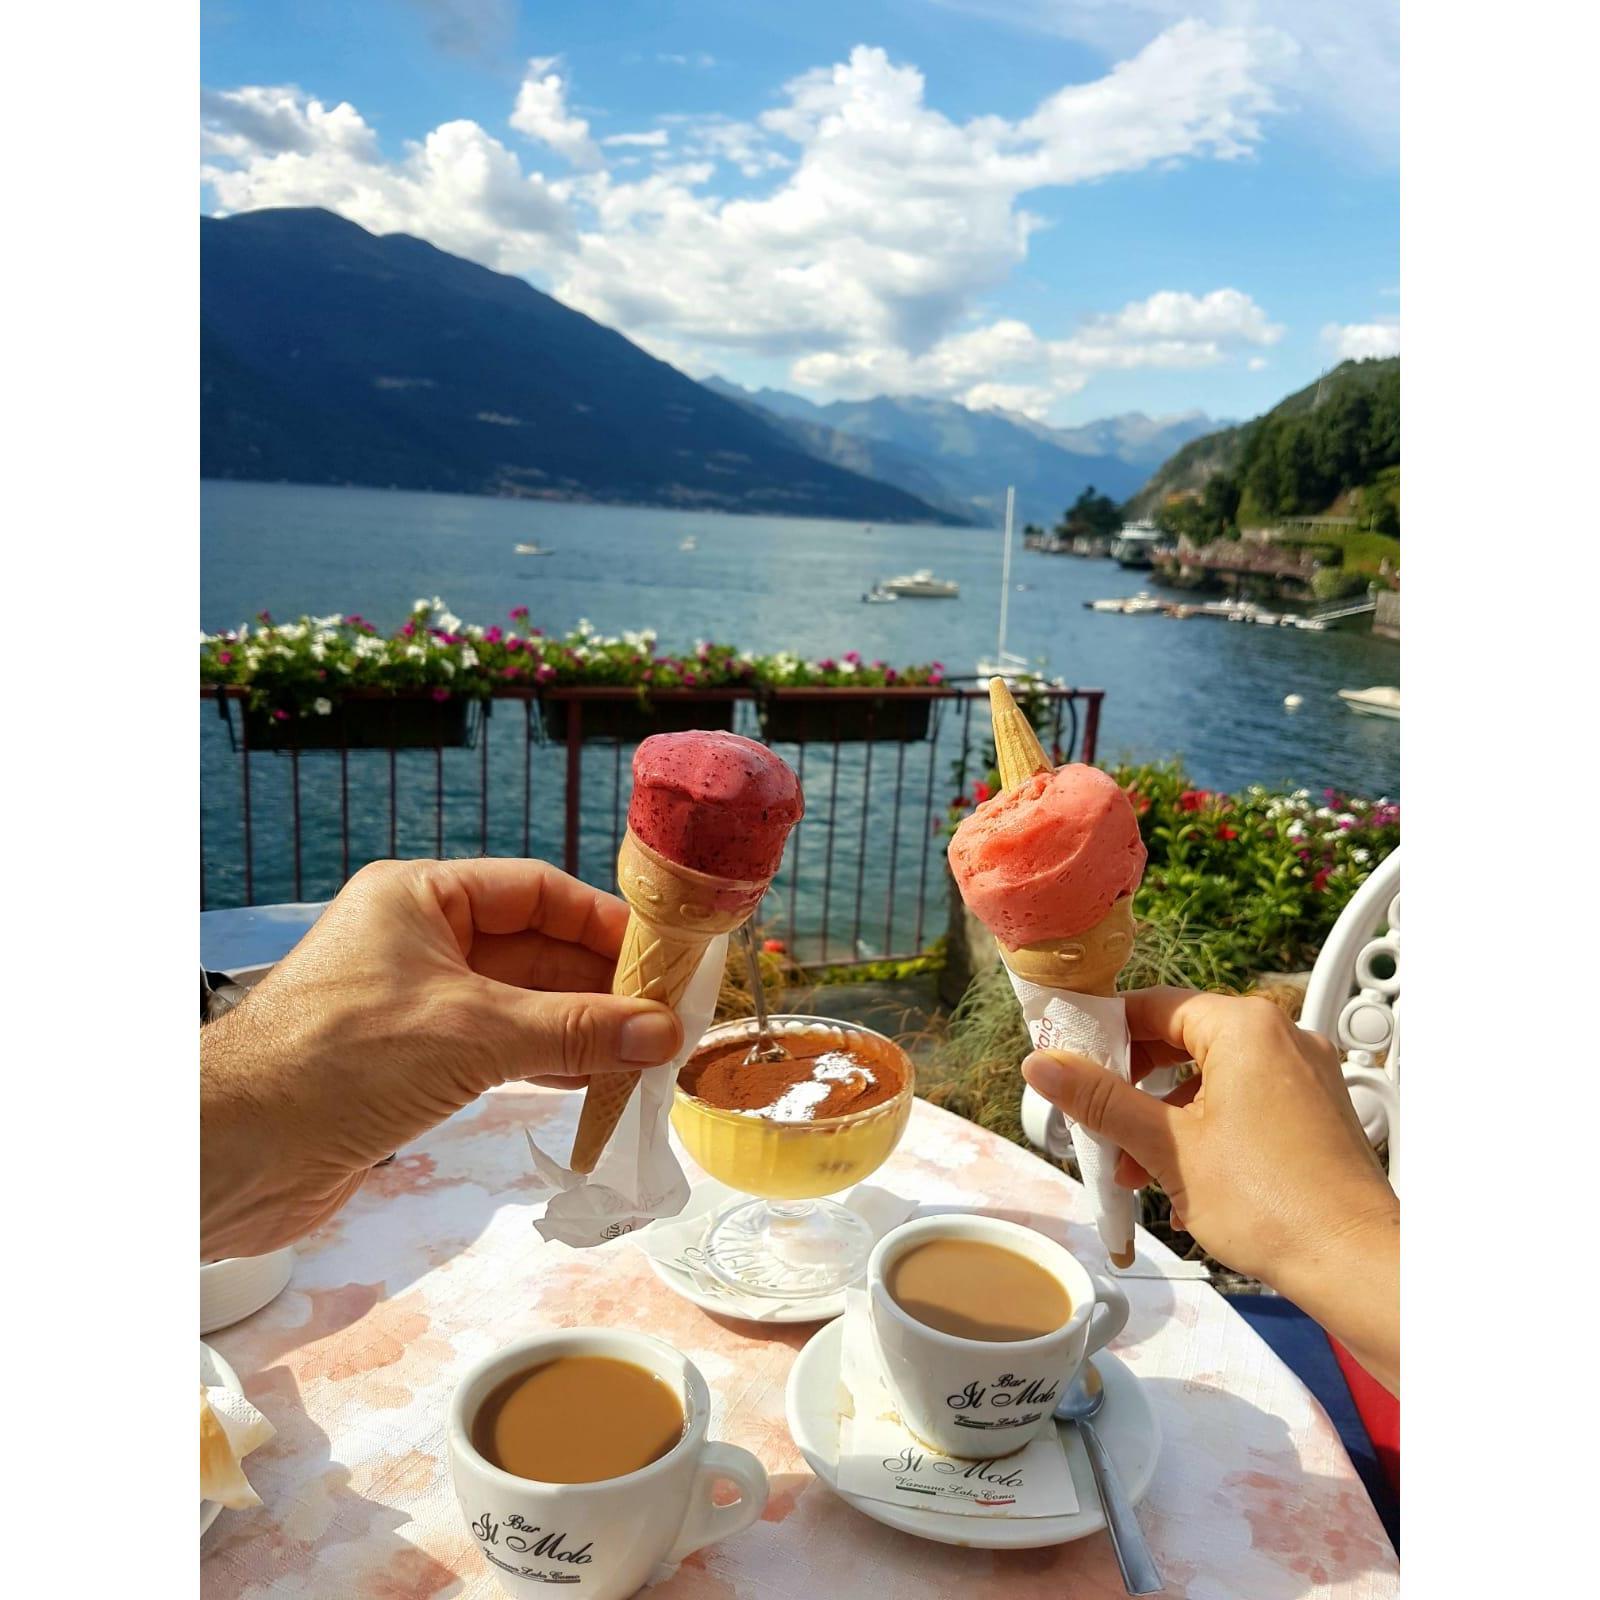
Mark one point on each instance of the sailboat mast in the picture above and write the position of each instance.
(1005, 578)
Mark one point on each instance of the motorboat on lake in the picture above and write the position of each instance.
(687, 542)
(922, 585)
(1380, 701)
(877, 595)
(532, 550)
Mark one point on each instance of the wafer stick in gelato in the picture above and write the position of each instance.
(1049, 866)
(707, 825)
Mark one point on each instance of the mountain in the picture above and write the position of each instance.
(333, 355)
(963, 459)
(1336, 435)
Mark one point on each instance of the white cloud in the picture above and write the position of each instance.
(1346, 66)
(1257, 364)
(541, 113)
(652, 140)
(697, 58)
(1358, 341)
(870, 230)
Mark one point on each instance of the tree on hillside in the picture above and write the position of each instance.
(1091, 514)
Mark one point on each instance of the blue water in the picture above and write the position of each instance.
(1209, 692)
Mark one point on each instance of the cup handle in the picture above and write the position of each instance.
(1110, 1314)
(707, 1523)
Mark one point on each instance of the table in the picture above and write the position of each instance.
(435, 1264)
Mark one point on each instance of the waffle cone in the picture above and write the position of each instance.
(1018, 753)
(673, 914)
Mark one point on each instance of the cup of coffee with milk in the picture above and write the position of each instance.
(979, 1325)
(580, 1459)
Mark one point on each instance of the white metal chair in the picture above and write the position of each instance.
(1350, 999)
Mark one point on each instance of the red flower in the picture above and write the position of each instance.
(1139, 802)
(774, 947)
(441, 693)
(1225, 832)
(1320, 881)
(1193, 799)
(980, 791)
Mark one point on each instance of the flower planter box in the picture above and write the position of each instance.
(896, 717)
(627, 721)
(378, 724)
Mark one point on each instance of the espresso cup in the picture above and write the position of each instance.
(978, 1398)
(602, 1540)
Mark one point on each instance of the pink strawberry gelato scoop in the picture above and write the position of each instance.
(1049, 858)
(715, 803)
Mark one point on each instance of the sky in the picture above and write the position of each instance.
(1065, 208)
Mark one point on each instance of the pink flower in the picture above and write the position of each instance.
(545, 674)
(890, 675)
(828, 664)
(877, 664)
(937, 675)
(492, 635)
(537, 633)
(510, 672)
(690, 680)
(513, 646)
(441, 693)
(407, 631)
(519, 613)
(938, 666)
(649, 675)
(224, 657)
(265, 616)
(853, 657)
(280, 716)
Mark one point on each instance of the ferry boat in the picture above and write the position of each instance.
(1136, 545)
(922, 585)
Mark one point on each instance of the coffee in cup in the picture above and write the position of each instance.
(979, 1325)
(577, 1419)
(580, 1458)
(977, 1290)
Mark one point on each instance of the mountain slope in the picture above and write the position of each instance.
(1232, 450)
(965, 459)
(332, 355)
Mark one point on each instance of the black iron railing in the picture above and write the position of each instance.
(860, 880)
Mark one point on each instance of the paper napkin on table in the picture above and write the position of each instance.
(880, 1459)
(676, 1243)
(230, 1428)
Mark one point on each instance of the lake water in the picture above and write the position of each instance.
(1209, 692)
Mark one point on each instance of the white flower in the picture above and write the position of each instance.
(318, 650)
(847, 667)
(1323, 813)
(1295, 830)
(421, 605)
(341, 665)
(469, 656)
(1361, 856)
(474, 630)
(450, 622)
(448, 666)
(415, 652)
(244, 631)
(321, 706)
(1346, 817)
(332, 621)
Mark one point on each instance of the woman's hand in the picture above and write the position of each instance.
(1261, 1154)
(422, 985)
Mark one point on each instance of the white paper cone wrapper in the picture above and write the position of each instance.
(1095, 1026)
(637, 1177)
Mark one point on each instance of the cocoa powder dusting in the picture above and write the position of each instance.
(818, 1080)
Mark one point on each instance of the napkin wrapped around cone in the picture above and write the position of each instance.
(1049, 865)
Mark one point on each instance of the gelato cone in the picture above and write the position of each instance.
(1049, 866)
(707, 824)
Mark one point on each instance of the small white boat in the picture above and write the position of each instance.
(877, 595)
(1311, 624)
(1107, 605)
(922, 585)
(532, 550)
(1141, 605)
(1380, 701)
(687, 543)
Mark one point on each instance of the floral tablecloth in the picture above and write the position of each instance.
(435, 1263)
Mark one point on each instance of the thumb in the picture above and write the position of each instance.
(540, 1034)
(1102, 1102)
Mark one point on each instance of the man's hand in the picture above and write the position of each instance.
(1262, 1155)
(422, 985)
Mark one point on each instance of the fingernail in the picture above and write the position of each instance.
(651, 1036)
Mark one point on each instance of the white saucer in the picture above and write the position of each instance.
(232, 1290)
(1127, 1427)
(215, 1373)
(699, 1287)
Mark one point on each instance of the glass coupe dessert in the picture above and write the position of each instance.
(790, 1132)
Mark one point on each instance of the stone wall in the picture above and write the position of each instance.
(1386, 619)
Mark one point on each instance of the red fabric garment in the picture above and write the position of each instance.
(1380, 1412)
